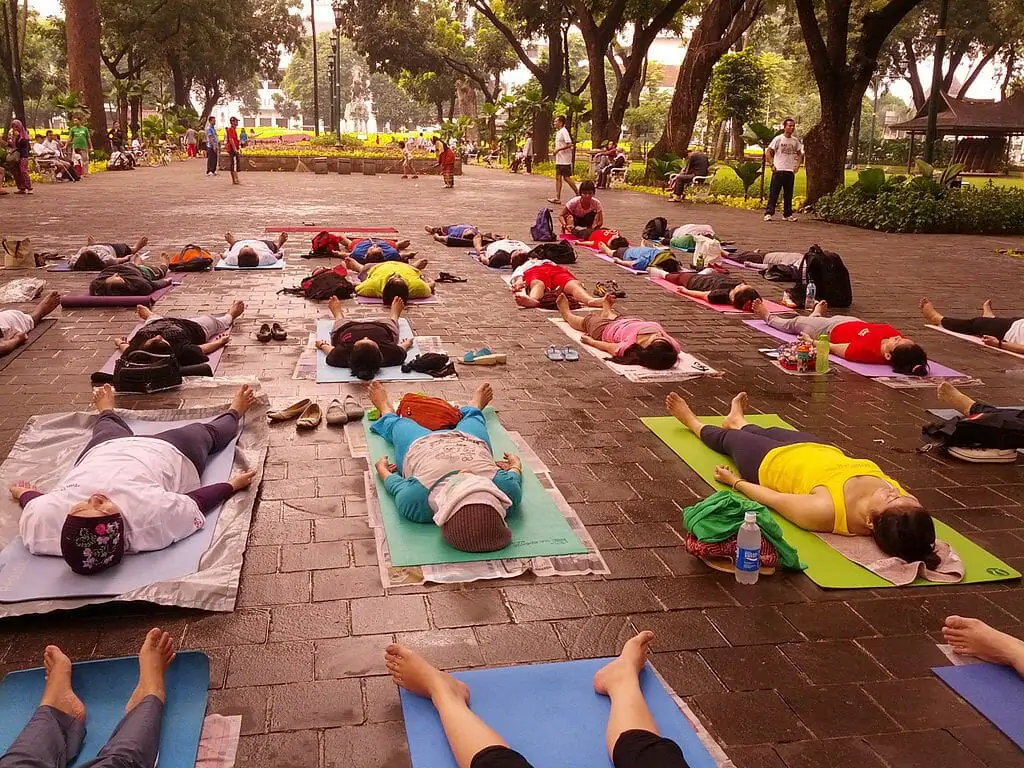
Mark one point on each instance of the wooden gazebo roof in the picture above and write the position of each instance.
(965, 117)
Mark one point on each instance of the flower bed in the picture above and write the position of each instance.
(314, 162)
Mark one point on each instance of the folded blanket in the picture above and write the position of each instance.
(865, 552)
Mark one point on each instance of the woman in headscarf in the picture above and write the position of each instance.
(19, 140)
(445, 161)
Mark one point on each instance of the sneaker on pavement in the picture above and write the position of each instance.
(767, 217)
(789, 218)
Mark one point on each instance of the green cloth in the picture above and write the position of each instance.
(79, 136)
(720, 515)
(684, 242)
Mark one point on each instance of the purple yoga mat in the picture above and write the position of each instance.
(741, 264)
(872, 371)
(85, 300)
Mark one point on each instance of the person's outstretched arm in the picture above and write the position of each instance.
(806, 510)
(695, 294)
(1009, 346)
(213, 346)
(409, 494)
(605, 346)
(605, 249)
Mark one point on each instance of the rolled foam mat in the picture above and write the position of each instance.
(76, 300)
(825, 566)
(996, 691)
(538, 528)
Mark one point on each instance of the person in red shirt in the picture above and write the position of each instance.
(596, 237)
(234, 148)
(853, 339)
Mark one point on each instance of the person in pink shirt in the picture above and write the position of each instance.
(629, 340)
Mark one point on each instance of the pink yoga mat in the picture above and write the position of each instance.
(373, 300)
(935, 370)
(330, 229)
(740, 264)
(774, 307)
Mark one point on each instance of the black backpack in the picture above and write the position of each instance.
(999, 429)
(437, 364)
(656, 229)
(830, 276)
(559, 252)
(322, 285)
(142, 372)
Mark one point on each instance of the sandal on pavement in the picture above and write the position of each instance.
(310, 418)
(336, 416)
(448, 277)
(264, 334)
(571, 354)
(353, 410)
(555, 354)
(491, 358)
(600, 289)
(278, 332)
(291, 412)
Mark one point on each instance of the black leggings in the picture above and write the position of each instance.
(197, 441)
(634, 749)
(749, 446)
(980, 326)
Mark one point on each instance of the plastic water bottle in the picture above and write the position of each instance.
(812, 296)
(748, 550)
(821, 350)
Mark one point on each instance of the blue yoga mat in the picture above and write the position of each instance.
(549, 713)
(327, 374)
(279, 264)
(995, 691)
(105, 687)
(24, 576)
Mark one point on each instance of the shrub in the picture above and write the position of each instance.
(99, 156)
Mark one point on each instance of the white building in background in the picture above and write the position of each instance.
(268, 115)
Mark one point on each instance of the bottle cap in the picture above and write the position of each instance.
(823, 337)
(750, 517)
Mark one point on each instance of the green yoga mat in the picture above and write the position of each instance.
(825, 567)
(538, 528)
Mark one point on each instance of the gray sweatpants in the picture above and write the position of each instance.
(52, 738)
(812, 326)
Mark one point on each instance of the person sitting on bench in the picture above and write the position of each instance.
(130, 280)
(535, 277)
(697, 166)
(449, 476)
(366, 344)
(504, 253)
(629, 340)
(393, 278)
(358, 249)
(53, 737)
(15, 325)
(190, 340)
(595, 238)
(632, 736)
(1001, 332)
(583, 211)
(462, 236)
(973, 637)
(96, 256)
(128, 493)
(815, 485)
(714, 288)
(250, 254)
(642, 257)
(853, 339)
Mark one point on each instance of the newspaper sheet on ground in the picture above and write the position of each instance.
(305, 366)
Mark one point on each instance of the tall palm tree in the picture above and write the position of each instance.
(82, 23)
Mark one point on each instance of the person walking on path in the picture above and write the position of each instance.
(191, 141)
(784, 155)
(212, 146)
(563, 160)
(81, 142)
(528, 152)
(234, 148)
(20, 143)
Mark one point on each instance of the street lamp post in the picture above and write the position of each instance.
(316, 77)
(330, 66)
(337, 6)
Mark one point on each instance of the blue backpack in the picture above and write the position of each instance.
(543, 230)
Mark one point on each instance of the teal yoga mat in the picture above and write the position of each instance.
(538, 528)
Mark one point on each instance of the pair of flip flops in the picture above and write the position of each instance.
(560, 354)
(484, 356)
(609, 287)
(448, 277)
(340, 413)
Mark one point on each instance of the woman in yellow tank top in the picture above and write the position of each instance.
(814, 485)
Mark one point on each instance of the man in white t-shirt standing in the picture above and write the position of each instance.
(563, 160)
(784, 155)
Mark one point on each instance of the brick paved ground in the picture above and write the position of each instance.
(784, 674)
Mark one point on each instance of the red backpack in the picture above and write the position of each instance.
(324, 283)
(325, 244)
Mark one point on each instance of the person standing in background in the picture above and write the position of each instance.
(528, 152)
(21, 144)
(243, 138)
(784, 155)
(234, 149)
(212, 146)
(81, 142)
(190, 142)
(563, 160)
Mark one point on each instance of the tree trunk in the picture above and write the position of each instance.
(913, 76)
(135, 105)
(597, 45)
(82, 25)
(180, 82)
(825, 147)
(739, 146)
(440, 112)
(855, 139)
(721, 131)
(11, 46)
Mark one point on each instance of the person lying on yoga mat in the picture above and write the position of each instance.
(128, 493)
(814, 485)
(367, 250)
(714, 288)
(1002, 332)
(973, 637)
(535, 277)
(594, 238)
(377, 254)
(771, 258)
(54, 735)
(366, 344)
(462, 236)
(130, 280)
(632, 736)
(641, 257)
(449, 476)
(15, 325)
(96, 256)
(190, 340)
(251, 254)
(853, 339)
(583, 211)
(504, 253)
(629, 340)
(393, 278)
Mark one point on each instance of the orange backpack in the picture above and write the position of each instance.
(191, 258)
(431, 412)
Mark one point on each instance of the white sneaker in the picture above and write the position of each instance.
(767, 217)
(789, 218)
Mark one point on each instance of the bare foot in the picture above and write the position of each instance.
(526, 301)
(562, 304)
(608, 300)
(397, 305)
(379, 398)
(929, 312)
(236, 309)
(820, 308)
(403, 244)
(953, 397)
(282, 239)
(49, 303)
(974, 637)
(986, 309)
(678, 408)
(90, 240)
(155, 656)
(103, 398)
(230, 238)
(411, 671)
(334, 307)
(58, 692)
(626, 668)
(143, 311)
(429, 230)
(143, 242)
(760, 310)
(734, 419)
(244, 399)
(483, 395)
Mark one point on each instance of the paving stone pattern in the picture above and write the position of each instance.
(783, 673)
